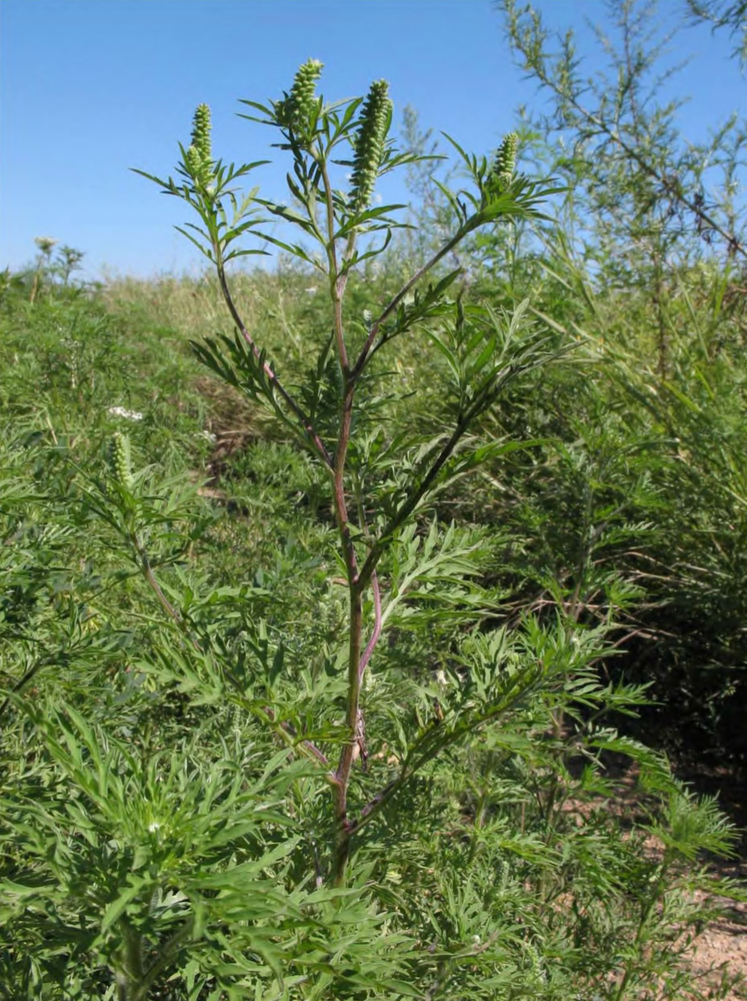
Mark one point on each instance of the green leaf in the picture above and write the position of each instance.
(117, 907)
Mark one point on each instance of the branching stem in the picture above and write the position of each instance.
(371, 344)
(303, 418)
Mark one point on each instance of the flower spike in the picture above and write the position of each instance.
(369, 144)
(502, 172)
(199, 156)
(120, 459)
(295, 111)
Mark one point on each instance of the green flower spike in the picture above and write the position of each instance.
(120, 459)
(199, 156)
(369, 145)
(502, 171)
(296, 110)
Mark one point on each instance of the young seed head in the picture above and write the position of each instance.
(199, 156)
(295, 111)
(120, 459)
(369, 145)
(502, 172)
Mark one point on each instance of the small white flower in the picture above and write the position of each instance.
(153, 827)
(45, 243)
(130, 415)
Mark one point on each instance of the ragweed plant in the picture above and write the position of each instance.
(484, 351)
(382, 486)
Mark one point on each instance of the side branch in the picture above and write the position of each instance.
(376, 325)
(374, 639)
(303, 418)
(369, 566)
(671, 186)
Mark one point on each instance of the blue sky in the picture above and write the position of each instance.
(89, 88)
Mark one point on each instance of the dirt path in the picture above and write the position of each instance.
(721, 951)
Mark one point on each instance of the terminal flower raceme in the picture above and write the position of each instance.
(120, 459)
(296, 110)
(199, 156)
(369, 144)
(502, 171)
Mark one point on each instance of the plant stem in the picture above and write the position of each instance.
(130, 985)
(167, 952)
(356, 665)
(342, 775)
(368, 652)
(355, 629)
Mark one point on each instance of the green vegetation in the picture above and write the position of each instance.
(336, 598)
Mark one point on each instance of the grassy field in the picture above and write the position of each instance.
(151, 796)
(373, 626)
